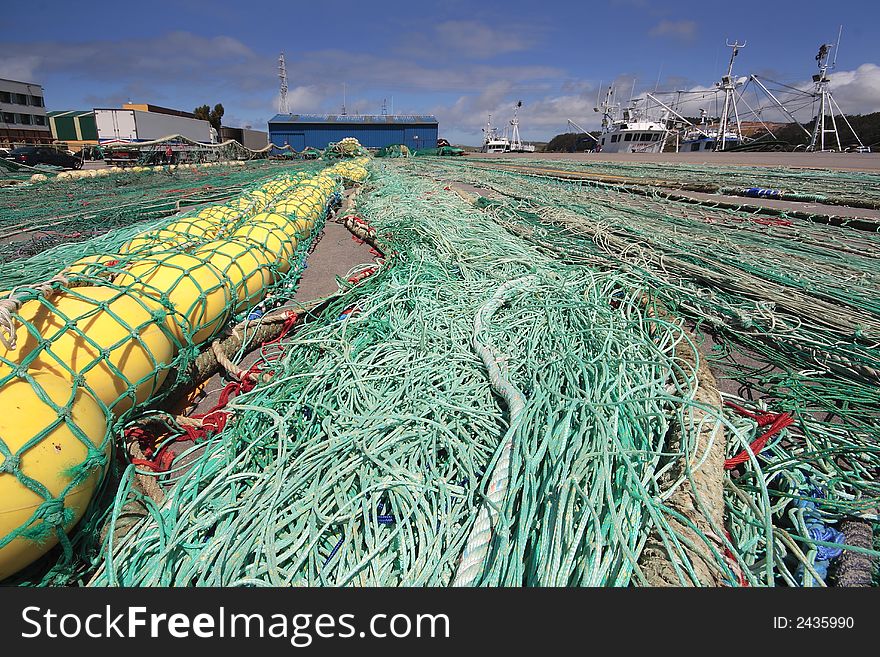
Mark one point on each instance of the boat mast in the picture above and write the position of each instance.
(728, 86)
(488, 129)
(827, 104)
(607, 107)
(515, 141)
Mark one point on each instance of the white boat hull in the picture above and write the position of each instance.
(632, 141)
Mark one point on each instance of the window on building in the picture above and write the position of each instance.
(39, 119)
(21, 99)
(656, 137)
(37, 101)
(5, 97)
(628, 136)
(603, 141)
(24, 119)
(8, 117)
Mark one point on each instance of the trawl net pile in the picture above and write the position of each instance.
(84, 349)
(469, 363)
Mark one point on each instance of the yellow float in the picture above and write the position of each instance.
(218, 214)
(245, 265)
(153, 242)
(62, 448)
(90, 331)
(275, 233)
(196, 294)
(195, 227)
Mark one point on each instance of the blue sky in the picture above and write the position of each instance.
(457, 60)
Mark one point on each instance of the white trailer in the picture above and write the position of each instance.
(116, 125)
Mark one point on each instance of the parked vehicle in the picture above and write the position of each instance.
(34, 155)
(90, 153)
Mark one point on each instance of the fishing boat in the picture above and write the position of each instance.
(507, 141)
(709, 138)
(727, 133)
(493, 142)
(629, 129)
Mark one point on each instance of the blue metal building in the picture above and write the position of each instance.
(303, 130)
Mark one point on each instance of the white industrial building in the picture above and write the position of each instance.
(23, 114)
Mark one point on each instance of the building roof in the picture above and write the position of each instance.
(353, 118)
(156, 109)
(57, 113)
(29, 84)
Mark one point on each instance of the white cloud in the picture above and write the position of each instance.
(19, 67)
(174, 57)
(682, 30)
(540, 118)
(858, 91)
(478, 40)
(304, 99)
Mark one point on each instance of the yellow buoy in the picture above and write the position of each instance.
(194, 227)
(302, 224)
(99, 344)
(273, 236)
(243, 204)
(53, 462)
(275, 218)
(219, 214)
(247, 266)
(255, 201)
(198, 292)
(153, 242)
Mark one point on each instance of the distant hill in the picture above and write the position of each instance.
(867, 127)
(570, 142)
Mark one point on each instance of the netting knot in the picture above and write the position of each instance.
(53, 512)
(97, 460)
(11, 464)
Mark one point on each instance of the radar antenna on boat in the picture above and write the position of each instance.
(789, 100)
(827, 103)
(728, 86)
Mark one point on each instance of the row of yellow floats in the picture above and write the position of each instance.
(94, 350)
(112, 171)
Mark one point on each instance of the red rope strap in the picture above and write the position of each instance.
(776, 422)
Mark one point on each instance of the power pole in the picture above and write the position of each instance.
(283, 107)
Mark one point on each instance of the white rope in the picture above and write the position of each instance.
(11, 305)
(477, 547)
